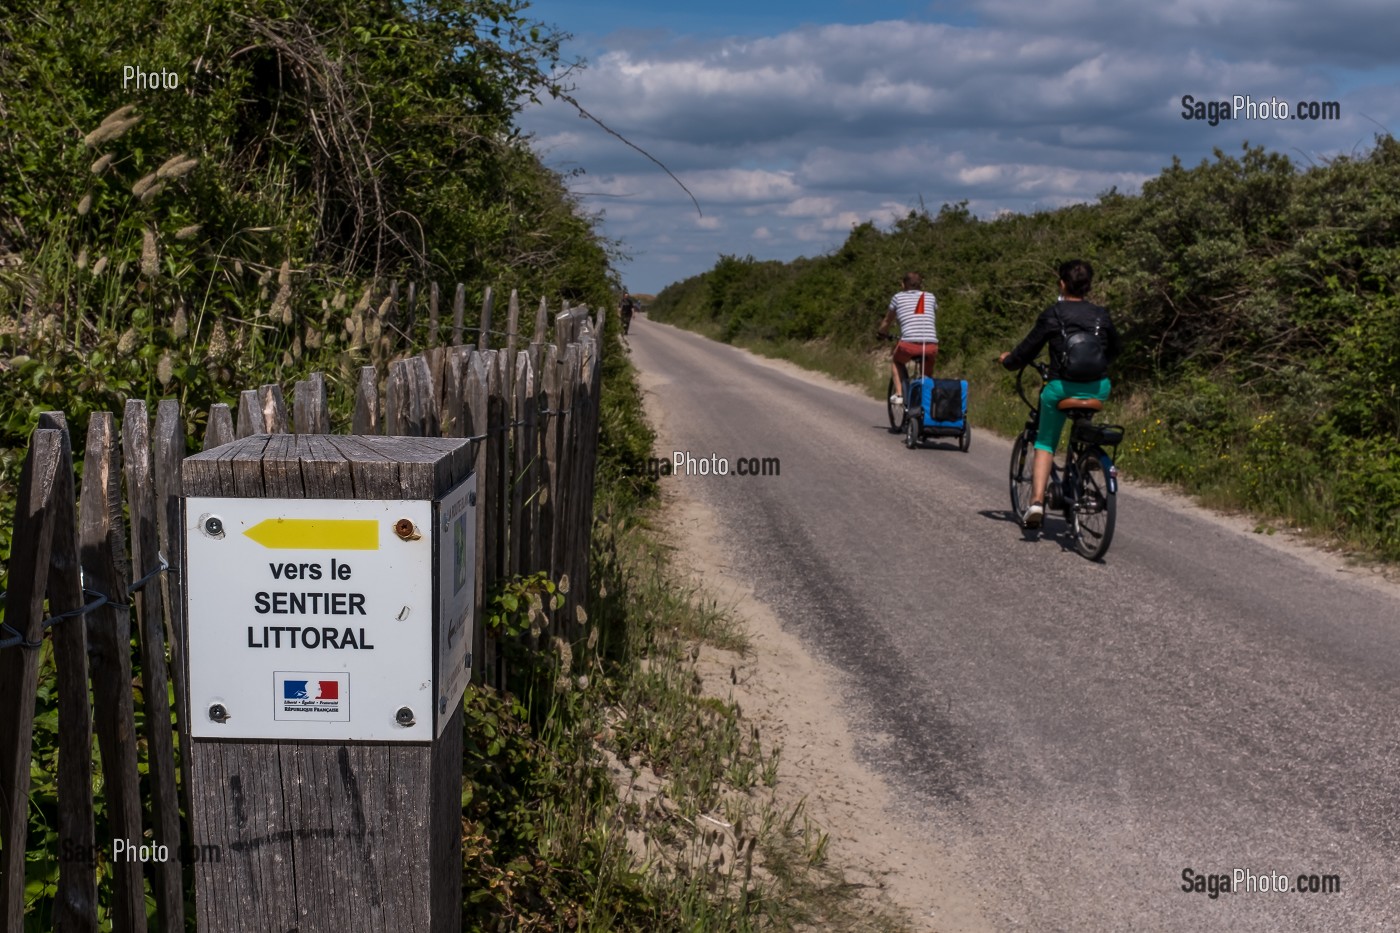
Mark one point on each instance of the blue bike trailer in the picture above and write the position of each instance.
(941, 406)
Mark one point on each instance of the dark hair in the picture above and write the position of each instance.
(913, 280)
(1077, 275)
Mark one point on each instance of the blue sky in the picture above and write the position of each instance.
(791, 122)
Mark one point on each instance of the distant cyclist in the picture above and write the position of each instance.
(915, 309)
(627, 309)
(1083, 341)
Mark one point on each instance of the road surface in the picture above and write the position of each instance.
(1095, 737)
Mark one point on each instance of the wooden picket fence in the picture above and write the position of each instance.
(533, 410)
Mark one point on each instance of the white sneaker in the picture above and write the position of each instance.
(1035, 514)
(896, 400)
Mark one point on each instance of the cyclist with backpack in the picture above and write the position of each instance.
(1083, 341)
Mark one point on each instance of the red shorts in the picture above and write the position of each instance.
(904, 352)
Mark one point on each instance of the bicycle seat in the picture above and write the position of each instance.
(1080, 404)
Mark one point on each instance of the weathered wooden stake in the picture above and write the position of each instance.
(219, 430)
(366, 420)
(168, 884)
(525, 472)
(250, 414)
(411, 408)
(475, 401)
(311, 413)
(459, 310)
(433, 296)
(274, 408)
(487, 304)
(19, 666)
(76, 904)
(169, 452)
(541, 325)
(102, 542)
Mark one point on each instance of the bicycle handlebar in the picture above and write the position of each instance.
(1043, 369)
(1037, 365)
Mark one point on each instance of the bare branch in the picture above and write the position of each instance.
(583, 112)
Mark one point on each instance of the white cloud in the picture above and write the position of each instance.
(842, 221)
(808, 207)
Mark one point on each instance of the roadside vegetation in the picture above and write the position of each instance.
(611, 791)
(243, 229)
(1258, 299)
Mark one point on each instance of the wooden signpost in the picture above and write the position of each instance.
(330, 583)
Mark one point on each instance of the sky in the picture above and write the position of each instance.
(792, 122)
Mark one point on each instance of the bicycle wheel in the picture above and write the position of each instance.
(898, 415)
(965, 440)
(1021, 458)
(1095, 509)
(913, 428)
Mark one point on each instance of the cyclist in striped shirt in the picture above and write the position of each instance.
(915, 309)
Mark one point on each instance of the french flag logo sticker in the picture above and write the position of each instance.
(300, 695)
(310, 689)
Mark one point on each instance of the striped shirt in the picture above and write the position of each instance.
(916, 311)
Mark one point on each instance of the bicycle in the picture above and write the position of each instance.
(898, 405)
(1086, 490)
(916, 429)
(895, 403)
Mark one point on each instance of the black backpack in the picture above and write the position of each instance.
(1084, 359)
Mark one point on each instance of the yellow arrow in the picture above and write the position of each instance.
(326, 534)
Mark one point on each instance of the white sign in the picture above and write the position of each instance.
(316, 618)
